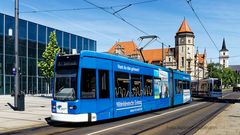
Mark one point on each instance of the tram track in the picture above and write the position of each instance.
(202, 122)
(187, 124)
(185, 119)
(175, 118)
(210, 113)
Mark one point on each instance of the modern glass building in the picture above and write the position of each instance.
(33, 39)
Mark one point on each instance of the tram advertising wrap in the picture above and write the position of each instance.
(160, 84)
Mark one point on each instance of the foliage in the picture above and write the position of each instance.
(47, 64)
(228, 76)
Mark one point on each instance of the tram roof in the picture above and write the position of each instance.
(119, 59)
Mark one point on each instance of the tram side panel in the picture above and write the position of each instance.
(181, 85)
(101, 102)
(128, 89)
(153, 95)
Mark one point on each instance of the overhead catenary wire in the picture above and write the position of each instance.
(115, 13)
(198, 18)
(89, 8)
(233, 56)
(104, 8)
(117, 16)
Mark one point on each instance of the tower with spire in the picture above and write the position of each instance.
(223, 55)
(184, 47)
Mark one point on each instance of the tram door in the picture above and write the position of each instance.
(104, 103)
(171, 88)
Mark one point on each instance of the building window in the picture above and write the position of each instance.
(182, 61)
(189, 64)
(79, 44)
(189, 41)
(182, 49)
(73, 42)
(224, 53)
(156, 62)
(169, 59)
(66, 43)
(85, 44)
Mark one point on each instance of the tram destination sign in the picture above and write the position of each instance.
(67, 63)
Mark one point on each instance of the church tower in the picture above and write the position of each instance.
(184, 48)
(223, 55)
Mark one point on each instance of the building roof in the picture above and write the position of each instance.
(184, 27)
(128, 48)
(154, 55)
(224, 46)
(201, 58)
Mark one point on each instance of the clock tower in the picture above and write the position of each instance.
(184, 48)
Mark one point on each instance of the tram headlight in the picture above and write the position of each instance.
(54, 106)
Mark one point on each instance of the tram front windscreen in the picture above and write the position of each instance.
(66, 72)
(217, 87)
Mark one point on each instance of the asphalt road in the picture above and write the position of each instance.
(184, 119)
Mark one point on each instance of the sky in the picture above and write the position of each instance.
(156, 17)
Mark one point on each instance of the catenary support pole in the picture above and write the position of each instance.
(162, 54)
(16, 69)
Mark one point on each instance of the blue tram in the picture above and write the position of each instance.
(95, 86)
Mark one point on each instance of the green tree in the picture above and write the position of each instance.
(47, 64)
(228, 76)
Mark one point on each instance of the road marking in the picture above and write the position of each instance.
(133, 122)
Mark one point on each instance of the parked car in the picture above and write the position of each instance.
(236, 87)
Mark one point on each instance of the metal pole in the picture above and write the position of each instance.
(162, 54)
(16, 55)
(198, 78)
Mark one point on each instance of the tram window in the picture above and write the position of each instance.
(179, 86)
(103, 78)
(136, 84)
(217, 86)
(210, 86)
(186, 85)
(88, 83)
(147, 86)
(194, 86)
(121, 84)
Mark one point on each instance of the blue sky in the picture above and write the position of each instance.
(161, 18)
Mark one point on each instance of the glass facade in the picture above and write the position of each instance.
(33, 39)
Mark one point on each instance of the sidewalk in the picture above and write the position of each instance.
(36, 110)
(226, 123)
